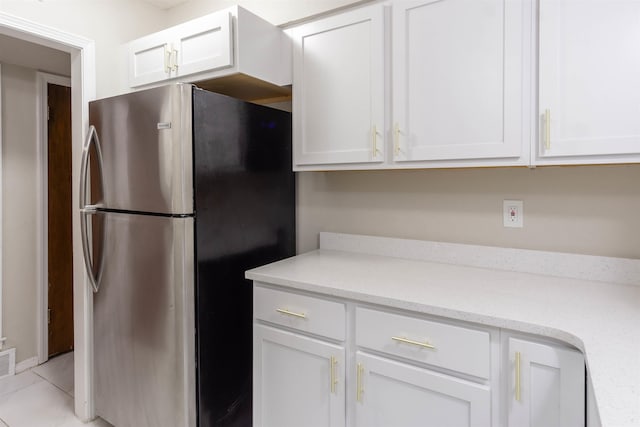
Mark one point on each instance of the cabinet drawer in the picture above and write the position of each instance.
(309, 314)
(447, 346)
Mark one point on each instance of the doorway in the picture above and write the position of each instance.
(59, 223)
(82, 58)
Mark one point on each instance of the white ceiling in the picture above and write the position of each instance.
(30, 55)
(165, 4)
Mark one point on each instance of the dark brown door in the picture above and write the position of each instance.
(60, 246)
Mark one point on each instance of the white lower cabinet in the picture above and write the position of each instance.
(390, 393)
(546, 387)
(298, 380)
(337, 363)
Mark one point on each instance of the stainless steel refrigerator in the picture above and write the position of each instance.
(182, 191)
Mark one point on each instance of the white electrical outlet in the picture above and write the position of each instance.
(513, 213)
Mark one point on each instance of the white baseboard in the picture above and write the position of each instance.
(26, 364)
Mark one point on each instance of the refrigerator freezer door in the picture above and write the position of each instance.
(146, 144)
(144, 344)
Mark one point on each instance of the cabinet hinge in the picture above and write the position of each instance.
(49, 316)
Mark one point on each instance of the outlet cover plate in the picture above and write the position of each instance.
(513, 213)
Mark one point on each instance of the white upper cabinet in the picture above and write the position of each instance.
(458, 75)
(459, 80)
(206, 44)
(589, 94)
(149, 60)
(452, 83)
(338, 90)
(231, 41)
(203, 45)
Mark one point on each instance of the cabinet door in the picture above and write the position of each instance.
(458, 79)
(338, 89)
(297, 380)
(390, 393)
(205, 44)
(149, 59)
(589, 85)
(546, 387)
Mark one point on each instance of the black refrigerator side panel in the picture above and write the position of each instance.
(245, 217)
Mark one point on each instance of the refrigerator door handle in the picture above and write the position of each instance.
(85, 209)
(92, 138)
(88, 264)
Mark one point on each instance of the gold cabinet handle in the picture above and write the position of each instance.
(518, 393)
(547, 129)
(418, 343)
(359, 387)
(374, 139)
(167, 59)
(291, 313)
(333, 374)
(396, 139)
(174, 60)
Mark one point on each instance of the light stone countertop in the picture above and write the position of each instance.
(601, 319)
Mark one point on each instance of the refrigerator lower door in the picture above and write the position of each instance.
(144, 322)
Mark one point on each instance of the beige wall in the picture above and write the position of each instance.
(586, 210)
(19, 209)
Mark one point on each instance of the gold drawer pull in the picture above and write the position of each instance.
(359, 387)
(408, 341)
(374, 137)
(518, 385)
(547, 129)
(167, 59)
(333, 373)
(396, 140)
(291, 313)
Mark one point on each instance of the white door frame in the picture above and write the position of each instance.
(2, 337)
(42, 209)
(83, 90)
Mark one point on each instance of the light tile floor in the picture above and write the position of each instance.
(41, 397)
